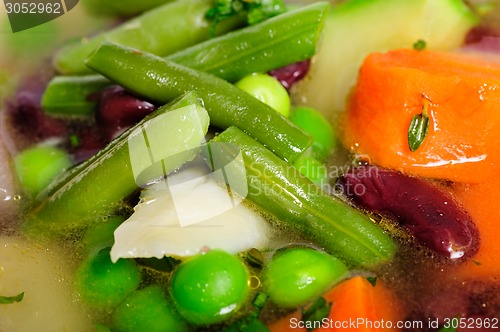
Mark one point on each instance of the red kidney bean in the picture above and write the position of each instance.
(27, 121)
(431, 215)
(483, 38)
(291, 74)
(118, 109)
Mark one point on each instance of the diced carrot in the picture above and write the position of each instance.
(463, 95)
(481, 202)
(288, 323)
(370, 308)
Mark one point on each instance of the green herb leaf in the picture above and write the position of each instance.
(11, 299)
(420, 45)
(478, 263)
(317, 311)
(372, 280)
(418, 129)
(255, 10)
(254, 258)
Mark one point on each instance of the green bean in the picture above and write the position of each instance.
(300, 205)
(121, 7)
(232, 56)
(98, 186)
(162, 80)
(72, 95)
(162, 31)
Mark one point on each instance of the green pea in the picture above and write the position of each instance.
(103, 284)
(209, 287)
(295, 276)
(268, 90)
(38, 166)
(147, 310)
(101, 235)
(312, 169)
(316, 125)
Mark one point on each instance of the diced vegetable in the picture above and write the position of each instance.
(312, 169)
(460, 95)
(316, 125)
(268, 90)
(182, 23)
(433, 217)
(37, 167)
(300, 205)
(481, 201)
(356, 28)
(100, 236)
(232, 56)
(358, 300)
(226, 104)
(296, 276)
(72, 95)
(210, 287)
(186, 212)
(102, 284)
(98, 186)
(147, 309)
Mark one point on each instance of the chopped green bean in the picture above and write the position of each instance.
(73, 95)
(232, 56)
(162, 80)
(300, 205)
(98, 186)
(162, 31)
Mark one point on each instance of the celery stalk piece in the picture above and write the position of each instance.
(160, 143)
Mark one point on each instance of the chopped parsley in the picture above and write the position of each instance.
(419, 45)
(255, 10)
(11, 299)
(419, 128)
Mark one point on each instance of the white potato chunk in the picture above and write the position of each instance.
(45, 278)
(186, 212)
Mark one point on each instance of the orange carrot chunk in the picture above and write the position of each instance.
(481, 201)
(359, 306)
(457, 94)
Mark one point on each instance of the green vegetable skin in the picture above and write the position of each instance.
(274, 43)
(210, 287)
(149, 310)
(121, 7)
(299, 205)
(98, 186)
(103, 284)
(355, 28)
(161, 80)
(161, 31)
(296, 276)
(36, 167)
